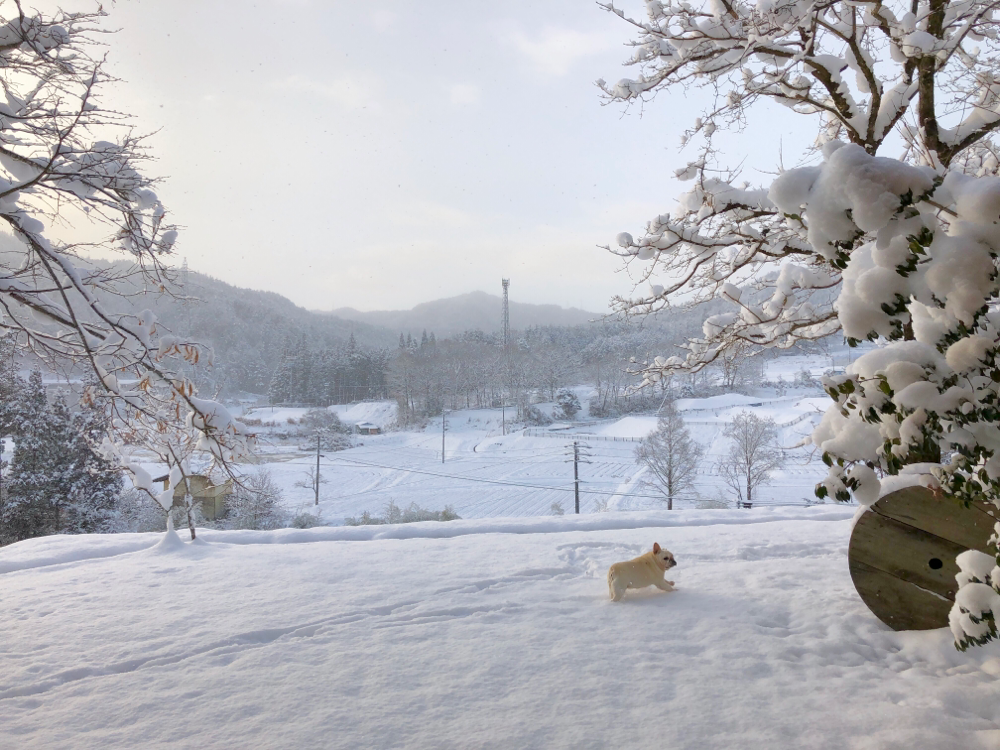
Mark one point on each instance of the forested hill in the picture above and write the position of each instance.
(253, 333)
(247, 329)
(476, 310)
(250, 330)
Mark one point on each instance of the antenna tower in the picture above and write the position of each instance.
(506, 316)
(505, 353)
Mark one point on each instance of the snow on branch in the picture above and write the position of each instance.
(902, 252)
(65, 158)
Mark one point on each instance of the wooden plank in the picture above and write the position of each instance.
(969, 528)
(900, 605)
(907, 553)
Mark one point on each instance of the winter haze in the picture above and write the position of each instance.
(280, 467)
(381, 156)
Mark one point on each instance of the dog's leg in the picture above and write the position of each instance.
(614, 591)
(665, 585)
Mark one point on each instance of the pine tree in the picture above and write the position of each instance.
(279, 388)
(26, 510)
(567, 403)
(93, 485)
(56, 483)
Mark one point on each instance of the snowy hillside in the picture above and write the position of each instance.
(498, 637)
(475, 310)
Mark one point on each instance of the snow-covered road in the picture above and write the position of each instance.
(500, 636)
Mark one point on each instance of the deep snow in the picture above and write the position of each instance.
(500, 636)
(523, 473)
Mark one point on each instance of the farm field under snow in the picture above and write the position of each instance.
(475, 634)
(489, 474)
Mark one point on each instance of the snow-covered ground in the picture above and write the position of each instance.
(475, 634)
(378, 413)
(488, 474)
(527, 472)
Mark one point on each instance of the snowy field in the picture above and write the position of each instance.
(488, 474)
(475, 634)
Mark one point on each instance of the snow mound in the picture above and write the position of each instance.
(725, 401)
(379, 413)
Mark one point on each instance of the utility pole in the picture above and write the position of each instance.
(505, 322)
(316, 479)
(576, 469)
(576, 475)
(444, 413)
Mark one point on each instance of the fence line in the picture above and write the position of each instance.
(570, 436)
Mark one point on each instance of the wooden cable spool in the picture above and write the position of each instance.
(902, 555)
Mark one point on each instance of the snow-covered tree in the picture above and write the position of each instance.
(567, 404)
(256, 503)
(753, 455)
(30, 485)
(57, 483)
(900, 251)
(670, 455)
(70, 168)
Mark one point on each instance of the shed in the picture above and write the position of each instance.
(367, 428)
(211, 496)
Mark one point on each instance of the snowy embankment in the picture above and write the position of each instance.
(499, 635)
(379, 413)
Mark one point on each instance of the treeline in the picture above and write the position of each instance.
(339, 375)
(472, 370)
(248, 330)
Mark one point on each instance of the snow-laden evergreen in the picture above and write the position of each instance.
(55, 483)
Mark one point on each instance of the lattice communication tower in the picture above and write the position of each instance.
(506, 316)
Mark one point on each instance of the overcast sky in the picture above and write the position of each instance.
(378, 155)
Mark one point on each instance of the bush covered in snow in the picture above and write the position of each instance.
(306, 520)
(138, 512)
(535, 417)
(256, 503)
(567, 405)
(392, 513)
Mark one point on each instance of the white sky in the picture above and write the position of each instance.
(381, 155)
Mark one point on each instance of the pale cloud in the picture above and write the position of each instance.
(555, 51)
(465, 93)
(350, 92)
(383, 20)
(429, 214)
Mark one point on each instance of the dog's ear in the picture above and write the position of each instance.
(656, 548)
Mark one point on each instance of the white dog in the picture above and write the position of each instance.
(645, 570)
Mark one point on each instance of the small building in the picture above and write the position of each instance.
(211, 496)
(367, 428)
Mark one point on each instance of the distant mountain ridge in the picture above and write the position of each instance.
(475, 310)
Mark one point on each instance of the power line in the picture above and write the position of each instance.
(496, 481)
